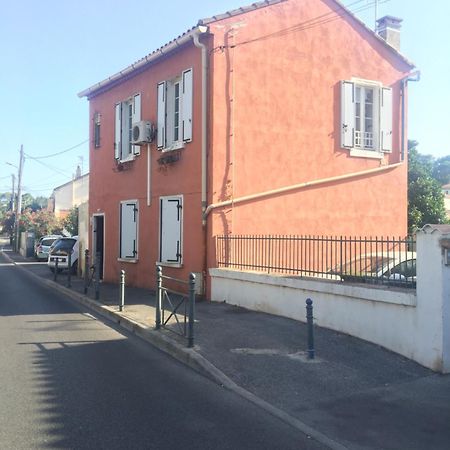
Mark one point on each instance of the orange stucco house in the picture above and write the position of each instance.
(283, 117)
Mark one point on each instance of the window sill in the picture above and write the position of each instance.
(128, 159)
(174, 146)
(126, 260)
(373, 154)
(168, 264)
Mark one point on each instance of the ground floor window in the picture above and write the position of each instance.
(128, 229)
(170, 238)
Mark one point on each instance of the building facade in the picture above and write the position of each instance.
(265, 120)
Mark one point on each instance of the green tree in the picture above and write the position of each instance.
(7, 223)
(42, 222)
(441, 170)
(35, 203)
(425, 198)
(27, 200)
(70, 223)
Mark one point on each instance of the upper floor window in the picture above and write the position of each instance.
(366, 117)
(97, 120)
(127, 113)
(175, 111)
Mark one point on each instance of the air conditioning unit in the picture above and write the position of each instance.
(142, 133)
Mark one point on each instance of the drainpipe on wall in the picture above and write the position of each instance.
(299, 186)
(197, 43)
(202, 30)
(415, 76)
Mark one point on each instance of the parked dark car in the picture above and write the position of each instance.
(60, 251)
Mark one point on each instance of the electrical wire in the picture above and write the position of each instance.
(66, 169)
(311, 23)
(52, 168)
(36, 190)
(57, 153)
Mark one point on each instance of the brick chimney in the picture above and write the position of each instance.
(388, 27)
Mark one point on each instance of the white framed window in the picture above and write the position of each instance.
(366, 118)
(129, 215)
(175, 112)
(127, 112)
(170, 230)
(97, 124)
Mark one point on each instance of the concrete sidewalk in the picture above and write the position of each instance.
(353, 395)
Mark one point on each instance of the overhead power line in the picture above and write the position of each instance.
(54, 169)
(314, 21)
(58, 153)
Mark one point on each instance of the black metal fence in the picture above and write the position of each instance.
(376, 260)
(179, 307)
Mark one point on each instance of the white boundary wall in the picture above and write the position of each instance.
(400, 320)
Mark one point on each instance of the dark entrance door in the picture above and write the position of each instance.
(99, 234)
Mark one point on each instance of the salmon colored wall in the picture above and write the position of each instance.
(108, 186)
(276, 122)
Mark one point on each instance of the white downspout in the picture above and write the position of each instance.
(197, 43)
(201, 30)
(149, 174)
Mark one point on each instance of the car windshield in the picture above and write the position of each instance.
(64, 244)
(406, 269)
(47, 242)
(365, 265)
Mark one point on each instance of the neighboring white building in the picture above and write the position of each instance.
(446, 192)
(68, 195)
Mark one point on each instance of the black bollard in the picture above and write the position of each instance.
(69, 269)
(97, 275)
(86, 271)
(158, 297)
(191, 310)
(310, 325)
(55, 273)
(122, 290)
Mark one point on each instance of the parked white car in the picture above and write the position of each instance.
(60, 251)
(43, 245)
(392, 269)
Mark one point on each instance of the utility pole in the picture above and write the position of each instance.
(13, 191)
(19, 198)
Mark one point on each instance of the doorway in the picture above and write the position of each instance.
(98, 240)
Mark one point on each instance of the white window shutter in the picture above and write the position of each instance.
(128, 230)
(386, 119)
(118, 131)
(170, 238)
(187, 105)
(347, 114)
(136, 118)
(161, 119)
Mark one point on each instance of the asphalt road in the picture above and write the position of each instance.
(70, 381)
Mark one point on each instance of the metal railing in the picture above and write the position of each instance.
(376, 260)
(175, 311)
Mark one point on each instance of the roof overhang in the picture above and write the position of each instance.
(395, 52)
(202, 29)
(143, 63)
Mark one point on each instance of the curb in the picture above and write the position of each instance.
(184, 355)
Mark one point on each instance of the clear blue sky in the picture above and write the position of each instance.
(52, 49)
